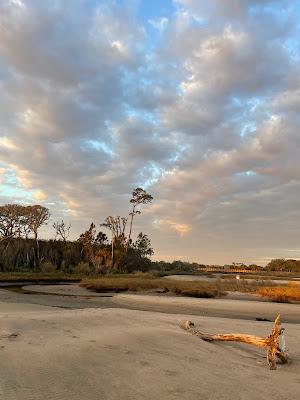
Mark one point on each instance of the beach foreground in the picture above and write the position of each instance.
(128, 354)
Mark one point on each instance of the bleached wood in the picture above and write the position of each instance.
(270, 342)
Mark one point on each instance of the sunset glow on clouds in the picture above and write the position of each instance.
(197, 102)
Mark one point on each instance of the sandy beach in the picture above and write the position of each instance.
(125, 354)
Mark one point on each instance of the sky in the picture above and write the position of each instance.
(198, 102)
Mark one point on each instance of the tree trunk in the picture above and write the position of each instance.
(270, 343)
(37, 250)
(34, 257)
(130, 228)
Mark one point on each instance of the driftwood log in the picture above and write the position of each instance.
(270, 342)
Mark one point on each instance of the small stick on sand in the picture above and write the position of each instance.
(270, 343)
(10, 335)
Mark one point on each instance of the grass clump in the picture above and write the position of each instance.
(282, 294)
(119, 284)
(137, 284)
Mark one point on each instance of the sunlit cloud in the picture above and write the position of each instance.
(39, 195)
(180, 228)
(8, 144)
(199, 104)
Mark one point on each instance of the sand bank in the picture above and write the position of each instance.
(117, 354)
(244, 306)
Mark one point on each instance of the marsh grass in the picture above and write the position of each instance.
(263, 277)
(38, 277)
(81, 273)
(281, 294)
(242, 285)
(137, 284)
(140, 283)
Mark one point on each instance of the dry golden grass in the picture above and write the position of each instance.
(134, 284)
(281, 294)
(146, 282)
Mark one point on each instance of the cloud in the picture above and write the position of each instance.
(7, 143)
(204, 115)
(39, 195)
(180, 228)
(56, 106)
(160, 23)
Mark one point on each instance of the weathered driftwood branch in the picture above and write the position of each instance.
(270, 343)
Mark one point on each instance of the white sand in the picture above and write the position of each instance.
(242, 309)
(119, 354)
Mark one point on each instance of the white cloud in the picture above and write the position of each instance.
(208, 120)
(160, 23)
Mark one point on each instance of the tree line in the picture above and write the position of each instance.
(93, 251)
(283, 265)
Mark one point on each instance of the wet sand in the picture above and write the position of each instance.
(8, 308)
